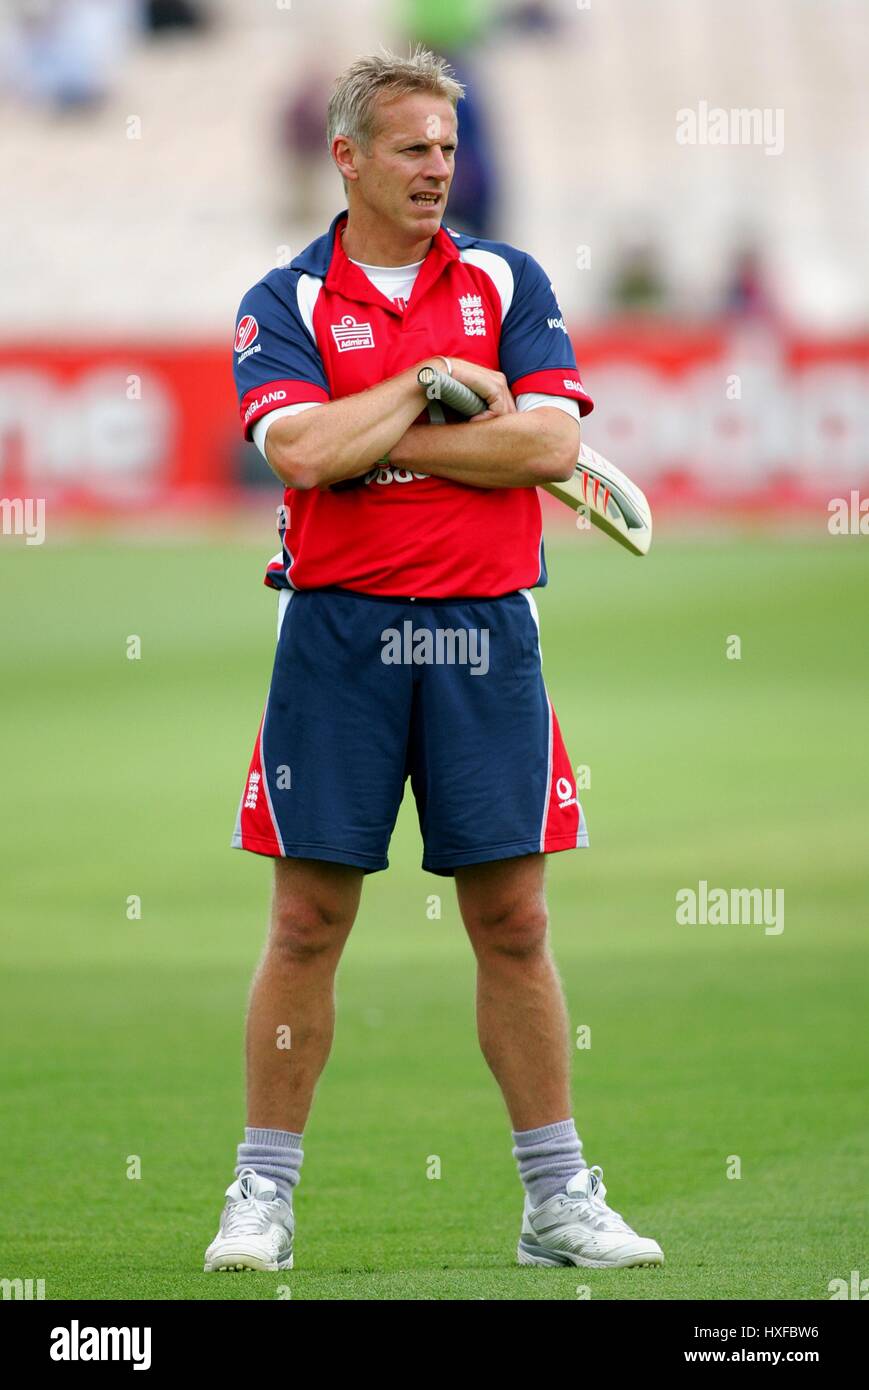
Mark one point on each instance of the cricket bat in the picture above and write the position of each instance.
(601, 491)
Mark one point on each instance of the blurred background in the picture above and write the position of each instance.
(693, 177)
(159, 156)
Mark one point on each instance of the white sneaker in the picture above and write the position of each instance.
(256, 1228)
(577, 1227)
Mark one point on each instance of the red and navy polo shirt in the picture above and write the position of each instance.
(318, 329)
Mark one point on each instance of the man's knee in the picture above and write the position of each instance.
(307, 927)
(509, 928)
(312, 913)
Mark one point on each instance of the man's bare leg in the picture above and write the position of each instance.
(292, 1001)
(521, 1014)
(522, 1017)
(524, 1033)
(314, 906)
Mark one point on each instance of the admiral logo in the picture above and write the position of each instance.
(350, 336)
(573, 385)
(270, 398)
(247, 331)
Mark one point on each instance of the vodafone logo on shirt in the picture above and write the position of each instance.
(246, 332)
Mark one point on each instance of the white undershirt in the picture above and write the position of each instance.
(393, 281)
(396, 282)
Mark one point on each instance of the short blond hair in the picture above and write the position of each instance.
(353, 104)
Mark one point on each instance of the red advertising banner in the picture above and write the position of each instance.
(715, 416)
(732, 415)
(127, 426)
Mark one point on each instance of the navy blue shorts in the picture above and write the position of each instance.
(366, 692)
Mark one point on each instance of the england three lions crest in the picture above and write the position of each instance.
(473, 315)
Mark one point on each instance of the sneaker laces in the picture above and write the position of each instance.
(592, 1208)
(248, 1216)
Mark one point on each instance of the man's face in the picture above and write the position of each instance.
(405, 177)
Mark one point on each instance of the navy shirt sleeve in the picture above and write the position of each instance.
(536, 353)
(276, 361)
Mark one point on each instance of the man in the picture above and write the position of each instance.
(398, 529)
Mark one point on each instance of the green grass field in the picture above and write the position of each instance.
(124, 1037)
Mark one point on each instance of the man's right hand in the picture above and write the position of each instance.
(489, 384)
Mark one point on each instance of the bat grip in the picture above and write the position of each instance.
(443, 388)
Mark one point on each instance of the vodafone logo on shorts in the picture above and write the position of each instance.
(246, 332)
(565, 793)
